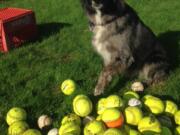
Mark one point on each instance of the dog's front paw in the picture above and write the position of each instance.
(98, 91)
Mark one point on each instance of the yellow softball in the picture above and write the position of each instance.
(114, 101)
(70, 127)
(71, 118)
(177, 117)
(15, 114)
(149, 124)
(17, 128)
(155, 105)
(133, 115)
(101, 106)
(113, 131)
(32, 132)
(94, 128)
(170, 107)
(82, 105)
(68, 87)
(178, 130)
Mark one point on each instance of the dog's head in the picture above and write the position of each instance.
(106, 6)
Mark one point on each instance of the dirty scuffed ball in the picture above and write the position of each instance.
(137, 86)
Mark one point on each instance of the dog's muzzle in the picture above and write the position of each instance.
(97, 4)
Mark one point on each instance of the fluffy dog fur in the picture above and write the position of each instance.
(125, 43)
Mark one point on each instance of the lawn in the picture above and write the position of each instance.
(30, 76)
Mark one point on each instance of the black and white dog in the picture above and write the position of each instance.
(125, 43)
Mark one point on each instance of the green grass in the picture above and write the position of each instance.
(30, 75)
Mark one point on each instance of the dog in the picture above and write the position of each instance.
(125, 43)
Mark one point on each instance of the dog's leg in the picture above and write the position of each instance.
(104, 79)
(153, 73)
(119, 66)
(156, 67)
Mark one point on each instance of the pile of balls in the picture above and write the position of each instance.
(129, 114)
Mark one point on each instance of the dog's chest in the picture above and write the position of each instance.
(101, 44)
(98, 17)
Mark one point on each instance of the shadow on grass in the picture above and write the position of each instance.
(171, 42)
(48, 29)
(44, 31)
(121, 82)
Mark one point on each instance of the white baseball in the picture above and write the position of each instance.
(44, 121)
(134, 102)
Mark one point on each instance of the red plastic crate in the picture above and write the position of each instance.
(16, 26)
